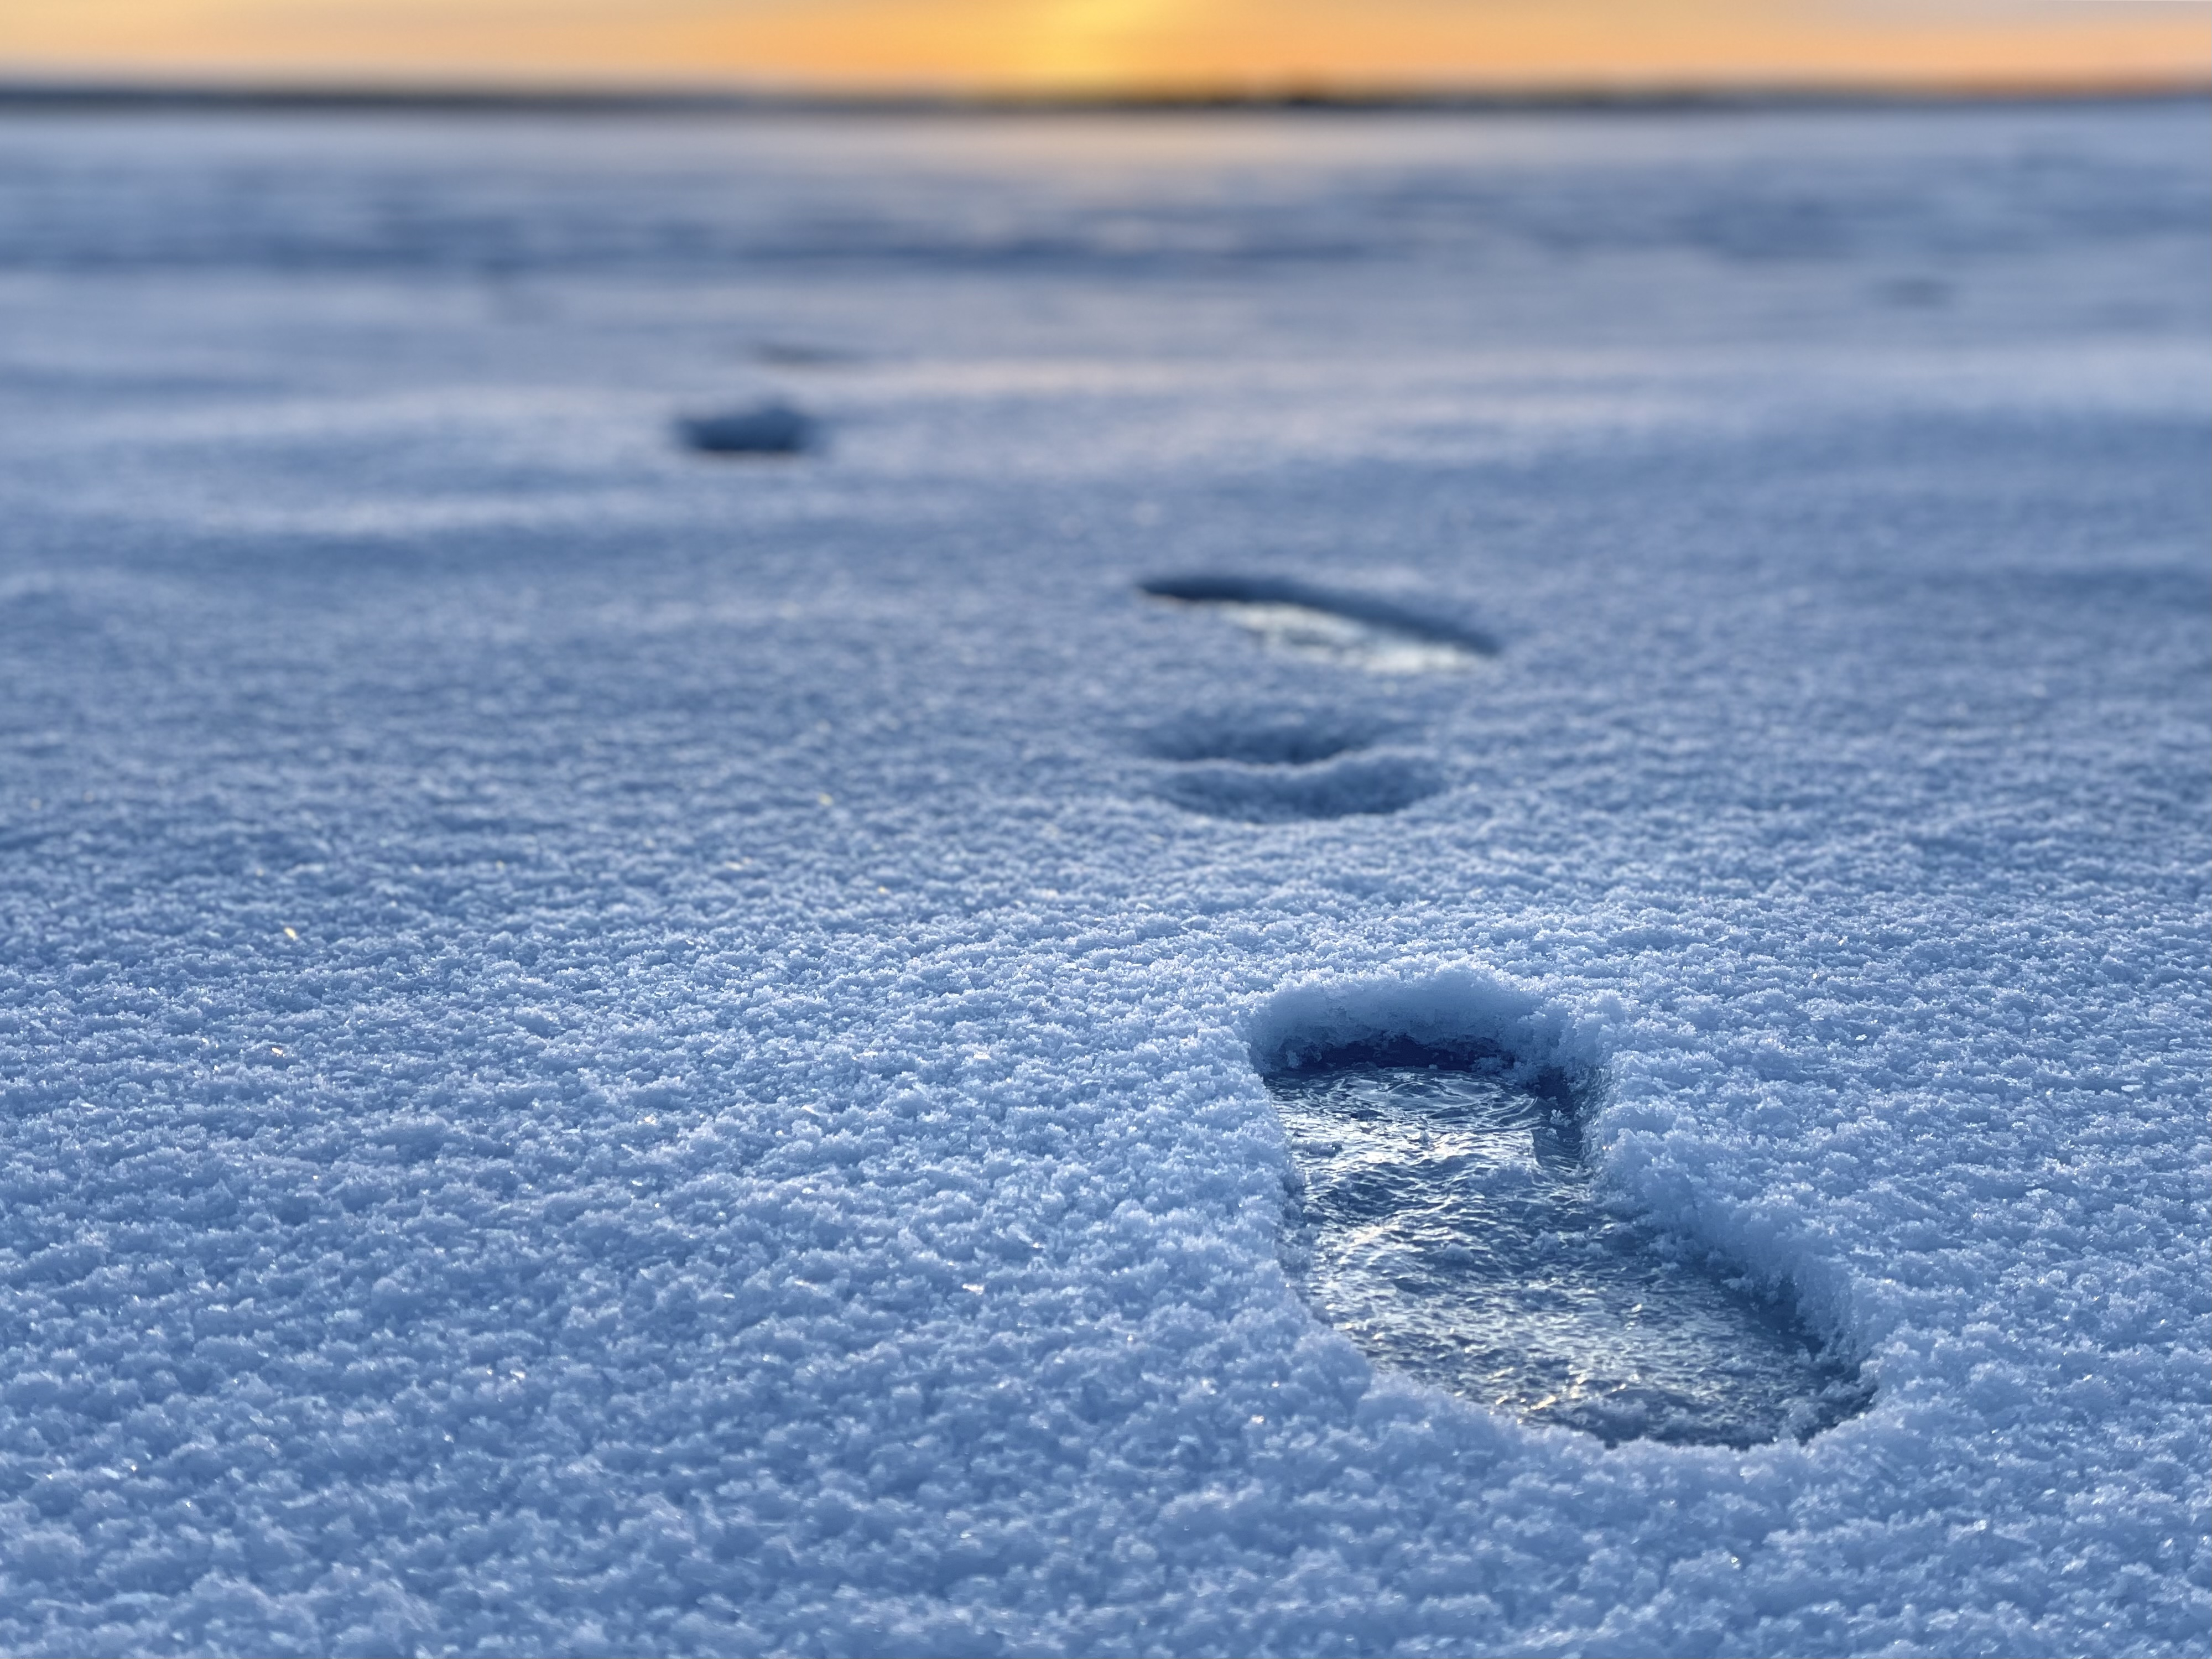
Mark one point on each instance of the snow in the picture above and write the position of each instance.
(611, 1050)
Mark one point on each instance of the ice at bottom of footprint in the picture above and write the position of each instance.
(1448, 1226)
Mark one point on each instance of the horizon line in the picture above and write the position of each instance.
(552, 96)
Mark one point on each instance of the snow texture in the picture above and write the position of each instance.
(611, 1051)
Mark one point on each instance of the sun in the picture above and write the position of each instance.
(1094, 42)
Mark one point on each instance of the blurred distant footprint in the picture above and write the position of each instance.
(1277, 770)
(800, 354)
(1353, 630)
(767, 428)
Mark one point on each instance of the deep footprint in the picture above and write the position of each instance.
(1448, 1226)
(1353, 631)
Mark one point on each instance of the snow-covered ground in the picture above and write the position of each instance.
(607, 1049)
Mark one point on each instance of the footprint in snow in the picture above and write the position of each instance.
(1445, 1220)
(1353, 631)
(768, 428)
(1346, 785)
(800, 354)
(1297, 738)
(1274, 769)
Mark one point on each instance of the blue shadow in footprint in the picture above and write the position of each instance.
(1445, 1220)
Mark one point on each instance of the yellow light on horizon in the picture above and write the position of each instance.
(1089, 41)
(1079, 44)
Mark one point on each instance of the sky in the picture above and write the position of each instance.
(1046, 45)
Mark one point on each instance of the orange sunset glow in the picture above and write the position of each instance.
(1092, 44)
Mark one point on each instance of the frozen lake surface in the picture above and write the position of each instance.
(613, 1048)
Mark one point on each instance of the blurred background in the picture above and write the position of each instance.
(1239, 47)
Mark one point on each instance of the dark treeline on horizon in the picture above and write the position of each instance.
(571, 99)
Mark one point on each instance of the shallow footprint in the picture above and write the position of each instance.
(1448, 1226)
(1293, 737)
(1350, 629)
(1346, 785)
(769, 428)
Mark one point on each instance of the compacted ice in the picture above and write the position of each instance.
(1445, 1220)
(1332, 628)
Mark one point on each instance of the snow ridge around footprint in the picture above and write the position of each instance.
(1443, 1215)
